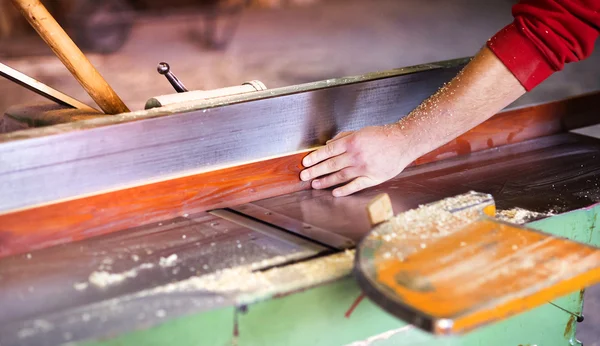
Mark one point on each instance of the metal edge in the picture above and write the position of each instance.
(267, 229)
(135, 152)
(405, 312)
(43, 89)
(312, 232)
(224, 101)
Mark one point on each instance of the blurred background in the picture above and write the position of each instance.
(217, 43)
(211, 44)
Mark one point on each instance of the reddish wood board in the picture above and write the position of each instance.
(70, 220)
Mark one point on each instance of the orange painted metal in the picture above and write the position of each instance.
(486, 272)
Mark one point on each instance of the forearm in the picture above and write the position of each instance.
(545, 35)
(483, 88)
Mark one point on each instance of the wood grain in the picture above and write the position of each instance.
(82, 218)
(521, 124)
(86, 216)
(379, 209)
(71, 56)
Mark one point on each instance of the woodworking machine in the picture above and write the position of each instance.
(186, 223)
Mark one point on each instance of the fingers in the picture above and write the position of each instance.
(355, 185)
(329, 166)
(332, 149)
(339, 136)
(336, 178)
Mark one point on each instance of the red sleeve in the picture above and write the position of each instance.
(545, 35)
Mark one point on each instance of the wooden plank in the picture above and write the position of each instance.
(81, 218)
(521, 124)
(109, 211)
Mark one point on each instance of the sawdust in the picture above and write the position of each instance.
(434, 220)
(249, 283)
(416, 229)
(104, 279)
(35, 327)
(80, 286)
(519, 216)
(168, 261)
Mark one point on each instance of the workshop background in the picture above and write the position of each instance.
(211, 44)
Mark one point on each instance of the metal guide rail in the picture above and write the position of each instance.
(57, 162)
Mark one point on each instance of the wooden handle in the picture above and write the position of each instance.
(71, 56)
(380, 209)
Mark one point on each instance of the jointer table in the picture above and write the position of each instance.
(186, 224)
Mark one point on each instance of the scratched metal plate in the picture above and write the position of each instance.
(62, 285)
(551, 174)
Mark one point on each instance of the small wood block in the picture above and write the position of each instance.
(449, 274)
(380, 209)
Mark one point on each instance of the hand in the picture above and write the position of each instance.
(364, 158)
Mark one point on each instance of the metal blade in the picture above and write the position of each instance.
(42, 89)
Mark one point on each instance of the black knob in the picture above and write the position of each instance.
(164, 69)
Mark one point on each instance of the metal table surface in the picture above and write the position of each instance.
(56, 294)
(77, 287)
(548, 175)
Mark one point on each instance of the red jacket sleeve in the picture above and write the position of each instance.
(545, 35)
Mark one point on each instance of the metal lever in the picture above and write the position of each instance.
(42, 89)
(164, 69)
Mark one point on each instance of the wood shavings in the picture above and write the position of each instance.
(415, 230)
(80, 286)
(103, 279)
(35, 327)
(434, 220)
(249, 283)
(519, 216)
(168, 261)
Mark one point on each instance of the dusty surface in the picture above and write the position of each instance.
(290, 46)
(261, 284)
(519, 215)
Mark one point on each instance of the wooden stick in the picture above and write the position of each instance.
(71, 56)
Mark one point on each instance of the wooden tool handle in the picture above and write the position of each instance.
(71, 56)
